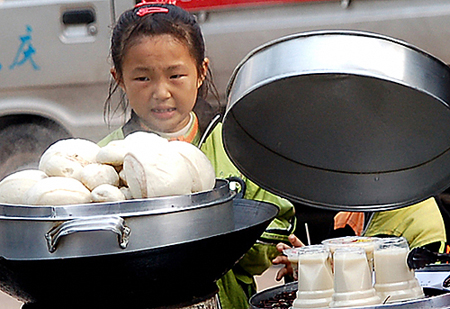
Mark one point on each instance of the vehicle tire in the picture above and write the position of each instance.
(22, 144)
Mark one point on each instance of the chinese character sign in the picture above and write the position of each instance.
(25, 52)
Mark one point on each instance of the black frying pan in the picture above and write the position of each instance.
(348, 120)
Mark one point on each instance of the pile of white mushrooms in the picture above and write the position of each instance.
(78, 171)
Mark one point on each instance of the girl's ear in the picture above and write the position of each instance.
(115, 75)
(204, 71)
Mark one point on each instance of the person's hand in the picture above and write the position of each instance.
(282, 259)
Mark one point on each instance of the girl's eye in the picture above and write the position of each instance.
(176, 76)
(142, 78)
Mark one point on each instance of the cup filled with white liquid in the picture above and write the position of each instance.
(292, 255)
(353, 284)
(315, 278)
(394, 280)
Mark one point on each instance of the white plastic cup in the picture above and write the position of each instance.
(352, 279)
(315, 278)
(394, 280)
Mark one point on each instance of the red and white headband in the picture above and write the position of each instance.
(146, 8)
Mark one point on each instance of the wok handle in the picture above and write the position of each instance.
(114, 224)
(241, 183)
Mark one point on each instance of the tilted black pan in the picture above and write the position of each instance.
(348, 120)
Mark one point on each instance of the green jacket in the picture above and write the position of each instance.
(420, 224)
(236, 286)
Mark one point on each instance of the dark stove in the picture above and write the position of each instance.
(210, 301)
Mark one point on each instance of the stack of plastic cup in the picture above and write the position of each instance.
(315, 278)
(352, 279)
(395, 281)
(292, 255)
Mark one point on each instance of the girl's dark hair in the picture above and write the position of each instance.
(130, 28)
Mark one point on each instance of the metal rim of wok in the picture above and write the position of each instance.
(135, 207)
(348, 120)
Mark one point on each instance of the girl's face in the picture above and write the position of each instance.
(161, 81)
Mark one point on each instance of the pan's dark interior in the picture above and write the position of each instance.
(341, 141)
(175, 274)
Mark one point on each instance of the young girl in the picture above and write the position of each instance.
(159, 62)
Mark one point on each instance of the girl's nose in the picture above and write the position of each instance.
(161, 91)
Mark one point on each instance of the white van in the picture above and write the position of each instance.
(54, 74)
(54, 67)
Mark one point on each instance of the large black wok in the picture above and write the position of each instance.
(348, 120)
(171, 273)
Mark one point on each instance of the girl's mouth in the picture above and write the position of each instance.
(161, 110)
(164, 113)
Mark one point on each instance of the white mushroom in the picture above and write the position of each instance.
(144, 139)
(201, 169)
(126, 192)
(156, 172)
(14, 186)
(96, 174)
(107, 193)
(123, 177)
(113, 153)
(57, 191)
(67, 157)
